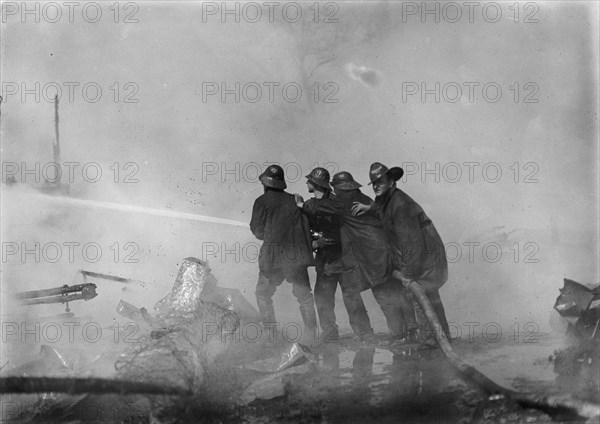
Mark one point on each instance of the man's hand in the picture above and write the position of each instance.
(398, 276)
(359, 208)
(299, 200)
(321, 242)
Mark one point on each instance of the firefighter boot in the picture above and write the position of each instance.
(267, 316)
(309, 317)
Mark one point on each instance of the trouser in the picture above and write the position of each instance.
(265, 289)
(396, 307)
(325, 288)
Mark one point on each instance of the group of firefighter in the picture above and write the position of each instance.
(382, 245)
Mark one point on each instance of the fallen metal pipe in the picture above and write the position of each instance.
(63, 294)
(104, 276)
(83, 385)
(63, 290)
(583, 409)
(53, 299)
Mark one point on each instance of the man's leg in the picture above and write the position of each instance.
(325, 301)
(395, 306)
(301, 291)
(353, 301)
(265, 289)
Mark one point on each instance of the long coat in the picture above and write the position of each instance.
(418, 250)
(364, 244)
(284, 230)
(330, 227)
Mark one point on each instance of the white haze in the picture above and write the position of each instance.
(170, 133)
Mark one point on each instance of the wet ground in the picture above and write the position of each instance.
(345, 382)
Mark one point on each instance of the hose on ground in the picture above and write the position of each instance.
(583, 409)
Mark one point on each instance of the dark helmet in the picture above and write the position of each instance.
(273, 177)
(319, 177)
(378, 170)
(344, 181)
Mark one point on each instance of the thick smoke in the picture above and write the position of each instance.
(201, 154)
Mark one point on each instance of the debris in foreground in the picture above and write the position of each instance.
(580, 306)
(584, 409)
(287, 356)
(273, 385)
(180, 347)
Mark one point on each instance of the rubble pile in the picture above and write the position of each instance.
(180, 344)
(190, 364)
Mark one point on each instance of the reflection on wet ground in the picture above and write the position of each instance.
(354, 382)
(345, 382)
(377, 384)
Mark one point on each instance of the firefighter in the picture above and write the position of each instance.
(286, 251)
(365, 254)
(418, 251)
(328, 246)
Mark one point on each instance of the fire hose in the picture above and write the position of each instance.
(583, 409)
(83, 385)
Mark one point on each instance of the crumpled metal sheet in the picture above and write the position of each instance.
(580, 306)
(171, 360)
(287, 357)
(233, 300)
(37, 407)
(186, 336)
(176, 354)
(53, 358)
(127, 310)
(185, 295)
(49, 363)
(208, 320)
(273, 385)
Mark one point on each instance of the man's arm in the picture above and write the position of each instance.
(398, 276)
(258, 221)
(411, 242)
(362, 208)
(322, 207)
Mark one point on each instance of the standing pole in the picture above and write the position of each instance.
(56, 145)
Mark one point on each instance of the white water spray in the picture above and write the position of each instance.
(136, 209)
